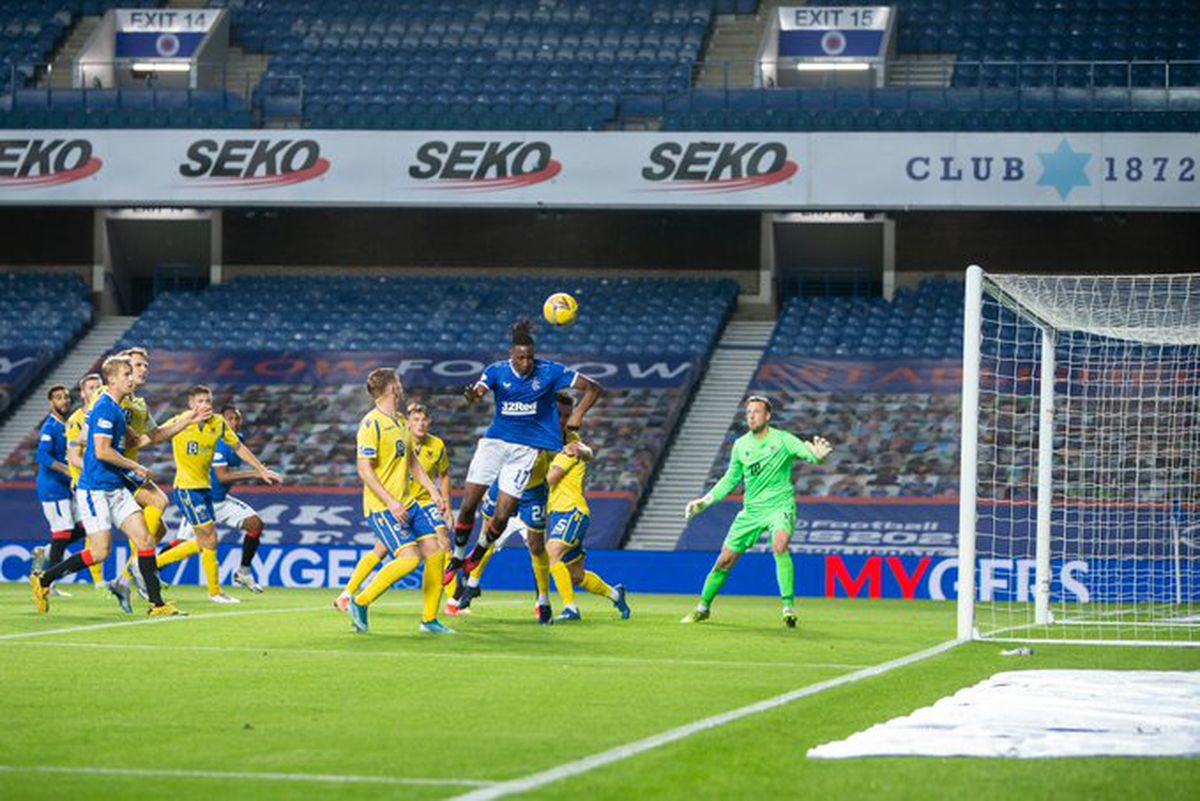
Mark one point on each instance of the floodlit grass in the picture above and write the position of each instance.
(279, 685)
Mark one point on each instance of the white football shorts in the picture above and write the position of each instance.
(507, 462)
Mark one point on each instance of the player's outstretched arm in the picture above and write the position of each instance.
(591, 393)
(819, 447)
(475, 391)
(260, 470)
(227, 476)
(727, 484)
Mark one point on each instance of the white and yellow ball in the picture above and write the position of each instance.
(560, 309)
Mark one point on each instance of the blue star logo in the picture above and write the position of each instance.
(1063, 169)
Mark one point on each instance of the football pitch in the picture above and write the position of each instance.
(276, 698)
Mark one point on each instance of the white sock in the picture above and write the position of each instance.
(472, 581)
(543, 600)
(702, 607)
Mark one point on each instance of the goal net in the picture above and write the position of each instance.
(1080, 496)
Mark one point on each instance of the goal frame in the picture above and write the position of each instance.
(968, 484)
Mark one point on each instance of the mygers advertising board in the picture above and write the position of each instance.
(632, 170)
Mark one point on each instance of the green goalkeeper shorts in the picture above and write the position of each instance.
(748, 528)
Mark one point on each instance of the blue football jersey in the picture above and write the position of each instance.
(107, 419)
(52, 447)
(223, 455)
(526, 410)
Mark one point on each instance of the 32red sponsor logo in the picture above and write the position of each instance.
(253, 163)
(718, 166)
(483, 165)
(36, 163)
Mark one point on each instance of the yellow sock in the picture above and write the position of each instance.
(562, 580)
(369, 562)
(431, 585)
(392, 572)
(477, 573)
(212, 571)
(129, 562)
(595, 585)
(177, 554)
(97, 570)
(153, 517)
(541, 572)
(452, 587)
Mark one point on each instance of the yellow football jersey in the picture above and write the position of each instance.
(194, 447)
(540, 468)
(137, 415)
(567, 494)
(434, 457)
(75, 425)
(386, 441)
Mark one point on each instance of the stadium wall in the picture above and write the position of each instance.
(698, 242)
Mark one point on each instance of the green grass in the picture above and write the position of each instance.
(280, 684)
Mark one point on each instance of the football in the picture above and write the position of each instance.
(560, 309)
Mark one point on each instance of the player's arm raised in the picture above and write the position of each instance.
(591, 393)
(812, 451)
(481, 387)
(727, 484)
(174, 426)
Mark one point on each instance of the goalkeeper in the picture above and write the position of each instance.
(763, 459)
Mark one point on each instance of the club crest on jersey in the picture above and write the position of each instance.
(537, 384)
(399, 449)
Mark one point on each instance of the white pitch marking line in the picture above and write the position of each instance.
(240, 776)
(151, 621)
(567, 770)
(588, 658)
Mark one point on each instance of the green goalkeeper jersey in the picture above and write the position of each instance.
(765, 465)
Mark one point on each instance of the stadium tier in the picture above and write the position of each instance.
(593, 64)
(125, 108)
(30, 30)
(1025, 42)
(468, 65)
(292, 353)
(953, 109)
(40, 317)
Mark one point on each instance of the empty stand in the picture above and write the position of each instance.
(42, 314)
(461, 64)
(307, 427)
(437, 314)
(891, 441)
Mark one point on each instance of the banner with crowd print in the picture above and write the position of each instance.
(416, 368)
(890, 486)
(18, 368)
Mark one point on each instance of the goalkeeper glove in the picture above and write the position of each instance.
(696, 506)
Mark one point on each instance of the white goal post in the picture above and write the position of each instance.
(1079, 515)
